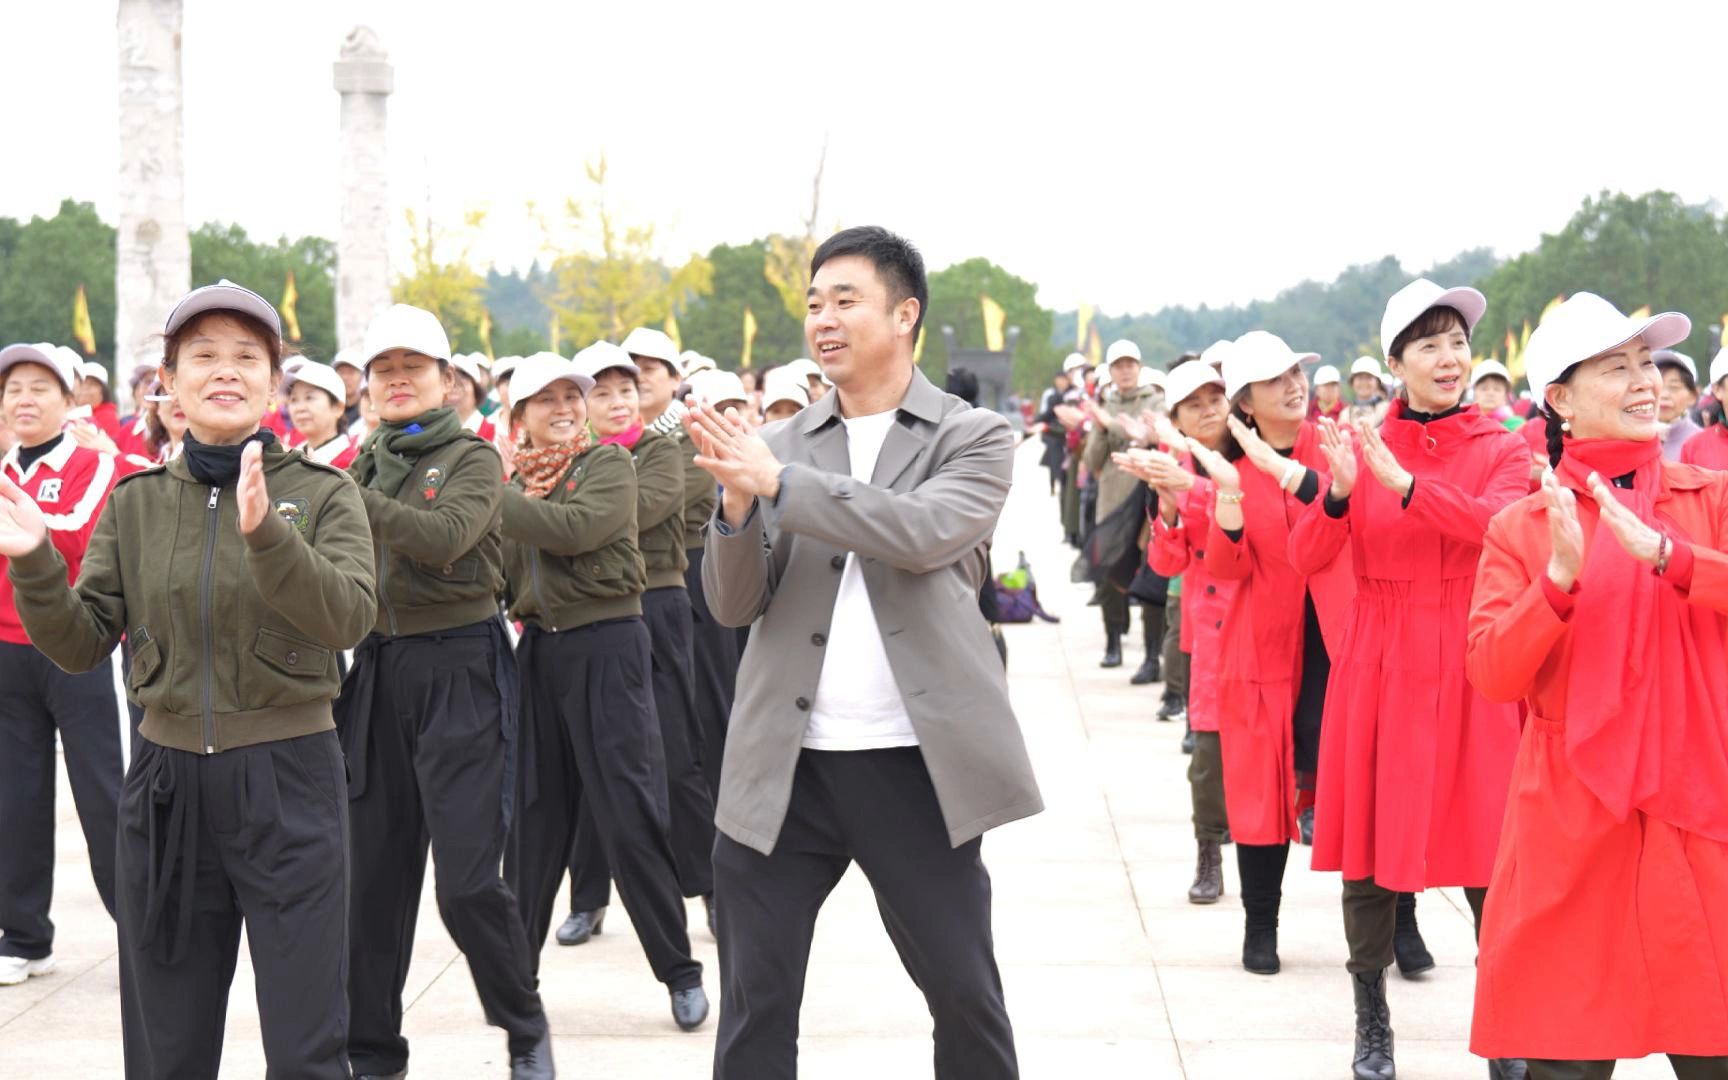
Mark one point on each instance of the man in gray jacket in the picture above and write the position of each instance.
(872, 720)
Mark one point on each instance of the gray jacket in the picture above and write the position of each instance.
(921, 529)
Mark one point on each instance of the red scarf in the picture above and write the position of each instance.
(628, 438)
(1647, 696)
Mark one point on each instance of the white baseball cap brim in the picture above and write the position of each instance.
(1327, 375)
(1121, 349)
(1586, 325)
(715, 387)
(1216, 352)
(1669, 356)
(653, 344)
(505, 365)
(1719, 366)
(1186, 378)
(348, 358)
(1409, 303)
(599, 357)
(43, 353)
(93, 370)
(1257, 356)
(469, 365)
(1075, 362)
(784, 391)
(1151, 376)
(1367, 365)
(535, 373)
(1487, 368)
(403, 326)
(323, 376)
(223, 296)
(694, 361)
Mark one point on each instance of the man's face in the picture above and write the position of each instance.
(1125, 373)
(656, 385)
(853, 326)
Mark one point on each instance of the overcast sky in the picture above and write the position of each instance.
(1113, 152)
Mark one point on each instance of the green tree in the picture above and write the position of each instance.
(42, 263)
(714, 324)
(225, 251)
(955, 294)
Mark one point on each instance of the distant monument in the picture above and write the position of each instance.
(365, 79)
(153, 266)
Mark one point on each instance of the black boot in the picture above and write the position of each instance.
(580, 926)
(1188, 741)
(1112, 649)
(1173, 707)
(1407, 944)
(1208, 875)
(1152, 630)
(1261, 868)
(1149, 672)
(1373, 1029)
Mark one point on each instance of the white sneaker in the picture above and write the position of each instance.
(15, 969)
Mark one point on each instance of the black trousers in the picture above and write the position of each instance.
(255, 835)
(35, 699)
(715, 651)
(437, 767)
(589, 739)
(667, 615)
(1685, 1068)
(876, 807)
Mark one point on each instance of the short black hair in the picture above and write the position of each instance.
(897, 263)
(1666, 365)
(1436, 320)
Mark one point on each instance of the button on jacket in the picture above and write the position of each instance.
(921, 530)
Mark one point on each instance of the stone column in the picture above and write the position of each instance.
(154, 255)
(365, 79)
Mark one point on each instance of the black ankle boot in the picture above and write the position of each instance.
(1112, 649)
(1407, 944)
(1149, 673)
(1152, 630)
(1373, 1059)
(1262, 873)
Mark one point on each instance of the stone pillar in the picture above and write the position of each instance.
(153, 266)
(365, 79)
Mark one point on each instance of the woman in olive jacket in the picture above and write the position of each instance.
(589, 736)
(239, 571)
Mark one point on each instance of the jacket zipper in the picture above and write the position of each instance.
(539, 597)
(207, 571)
(383, 591)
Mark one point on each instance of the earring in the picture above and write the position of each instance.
(1565, 425)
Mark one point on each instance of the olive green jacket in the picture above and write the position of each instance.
(571, 558)
(234, 638)
(1114, 485)
(660, 509)
(438, 547)
(700, 491)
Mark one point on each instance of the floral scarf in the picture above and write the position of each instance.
(541, 468)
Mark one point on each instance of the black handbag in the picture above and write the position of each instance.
(1113, 550)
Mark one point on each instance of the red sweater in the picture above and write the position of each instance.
(70, 484)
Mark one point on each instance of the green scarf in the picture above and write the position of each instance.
(391, 453)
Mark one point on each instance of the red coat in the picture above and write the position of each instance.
(1260, 667)
(1602, 938)
(1708, 449)
(70, 484)
(1181, 549)
(1414, 763)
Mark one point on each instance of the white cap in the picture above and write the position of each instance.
(1408, 304)
(1586, 325)
(223, 296)
(1719, 366)
(1669, 356)
(1119, 349)
(714, 386)
(44, 353)
(469, 365)
(1366, 365)
(779, 390)
(535, 373)
(323, 376)
(1487, 368)
(694, 361)
(73, 362)
(1216, 352)
(349, 357)
(93, 370)
(1151, 376)
(1256, 356)
(595, 359)
(402, 326)
(654, 344)
(1186, 378)
(504, 365)
(1327, 375)
(806, 368)
(1075, 362)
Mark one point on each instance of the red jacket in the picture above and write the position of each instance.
(1414, 763)
(1260, 670)
(338, 453)
(71, 485)
(1708, 449)
(1181, 549)
(1602, 938)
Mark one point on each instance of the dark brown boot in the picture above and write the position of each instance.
(1208, 874)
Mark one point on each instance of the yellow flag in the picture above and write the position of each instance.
(290, 297)
(1641, 313)
(82, 331)
(1552, 304)
(486, 332)
(994, 317)
(1094, 345)
(918, 348)
(1514, 360)
(671, 329)
(749, 336)
(1084, 324)
(554, 334)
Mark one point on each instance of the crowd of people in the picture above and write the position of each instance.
(533, 616)
(1447, 636)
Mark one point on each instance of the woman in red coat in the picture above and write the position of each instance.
(1180, 522)
(1602, 603)
(1414, 763)
(1709, 448)
(1274, 647)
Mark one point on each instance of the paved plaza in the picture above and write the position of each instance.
(1109, 971)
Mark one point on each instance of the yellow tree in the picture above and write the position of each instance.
(452, 290)
(787, 264)
(606, 279)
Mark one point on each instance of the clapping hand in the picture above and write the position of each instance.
(91, 437)
(1640, 540)
(22, 527)
(736, 457)
(252, 494)
(1157, 468)
(1167, 433)
(1336, 444)
(1381, 461)
(1565, 535)
(1257, 450)
(1223, 473)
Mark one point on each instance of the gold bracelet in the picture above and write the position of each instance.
(1226, 497)
(1664, 548)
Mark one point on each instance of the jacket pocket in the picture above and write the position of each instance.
(146, 662)
(290, 655)
(464, 571)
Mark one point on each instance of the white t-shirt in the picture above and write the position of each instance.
(858, 704)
